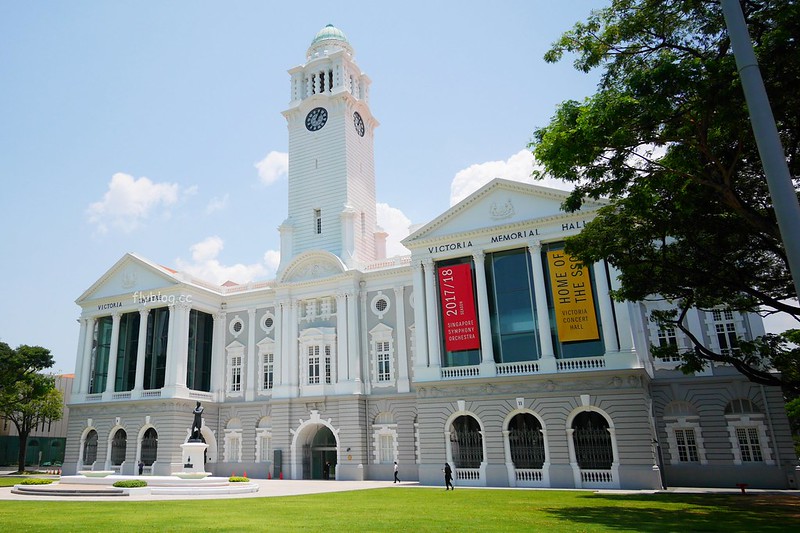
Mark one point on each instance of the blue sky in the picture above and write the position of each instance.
(156, 128)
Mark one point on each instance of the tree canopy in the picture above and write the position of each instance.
(667, 138)
(27, 397)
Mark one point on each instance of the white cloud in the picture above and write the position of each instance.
(273, 167)
(518, 167)
(396, 224)
(217, 204)
(128, 202)
(206, 265)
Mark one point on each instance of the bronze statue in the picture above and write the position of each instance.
(198, 422)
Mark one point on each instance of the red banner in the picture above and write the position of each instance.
(458, 308)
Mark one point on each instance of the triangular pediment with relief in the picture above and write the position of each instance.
(498, 203)
(129, 275)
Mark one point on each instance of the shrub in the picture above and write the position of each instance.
(130, 484)
(238, 479)
(36, 481)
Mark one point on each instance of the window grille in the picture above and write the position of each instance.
(526, 442)
(149, 446)
(119, 445)
(90, 448)
(466, 442)
(592, 442)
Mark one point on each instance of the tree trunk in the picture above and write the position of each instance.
(23, 449)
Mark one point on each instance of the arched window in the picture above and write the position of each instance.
(592, 441)
(526, 441)
(466, 442)
(119, 445)
(150, 446)
(90, 448)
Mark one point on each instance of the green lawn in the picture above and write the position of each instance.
(416, 509)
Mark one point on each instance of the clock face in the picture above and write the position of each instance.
(316, 118)
(359, 123)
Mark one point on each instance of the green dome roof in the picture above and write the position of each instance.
(328, 40)
(329, 32)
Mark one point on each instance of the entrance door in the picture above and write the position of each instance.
(323, 450)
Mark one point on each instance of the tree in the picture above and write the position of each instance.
(667, 139)
(27, 397)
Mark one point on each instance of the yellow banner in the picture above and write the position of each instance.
(572, 295)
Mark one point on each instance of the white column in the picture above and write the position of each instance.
(251, 366)
(342, 353)
(434, 344)
(542, 312)
(182, 346)
(402, 347)
(352, 338)
(111, 375)
(79, 355)
(362, 340)
(606, 309)
(488, 368)
(218, 356)
(420, 324)
(624, 323)
(169, 370)
(294, 360)
(86, 373)
(286, 355)
(277, 360)
(138, 384)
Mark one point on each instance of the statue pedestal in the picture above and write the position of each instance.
(193, 456)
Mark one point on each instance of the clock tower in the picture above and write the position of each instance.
(331, 161)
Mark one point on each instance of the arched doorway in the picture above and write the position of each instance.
(526, 442)
(319, 450)
(89, 455)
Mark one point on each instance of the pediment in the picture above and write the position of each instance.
(313, 265)
(130, 274)
(498, 203)
(235, 346)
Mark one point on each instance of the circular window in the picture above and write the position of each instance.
(380, 304)
(236, 326)
(268, 322)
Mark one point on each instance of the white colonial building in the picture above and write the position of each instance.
(487, 348)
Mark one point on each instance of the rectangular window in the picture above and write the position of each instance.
(236, 374)
(126, 352)
(265, 442)
(749, 444)
(318, 221)
(313, 365)
(511, 306)
(668, 337)
(687, 445)
(268, 363)
(198, 368)
(384, 361)
(155, 355)
(386, 453)
(725, 330)
(328, 365)
(102, 343)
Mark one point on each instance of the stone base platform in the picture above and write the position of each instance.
(156, 485)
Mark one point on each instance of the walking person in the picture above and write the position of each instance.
(396, 468)
(448, 477)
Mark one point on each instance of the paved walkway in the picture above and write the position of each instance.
(288, 487)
